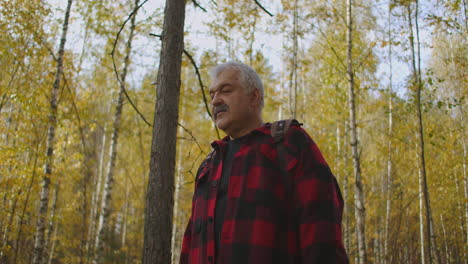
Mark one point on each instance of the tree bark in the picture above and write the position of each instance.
(159, 197)
(389, 180)
(44, 196)
(360, 212)
(103, 228)
(293, 74)
(346, 232)
(424, 196)
(52, 221)
(178, 185)
(52, 248)
(95, 199)
(446, 247)
(465, 180)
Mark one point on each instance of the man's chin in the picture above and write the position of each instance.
(221, 124)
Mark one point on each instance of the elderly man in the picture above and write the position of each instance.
(265, 194)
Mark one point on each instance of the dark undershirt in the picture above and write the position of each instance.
(221, 201)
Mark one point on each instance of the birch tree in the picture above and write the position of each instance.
(160, 193)
(423, 189)
(389, 179)
(360, 212)
(103, 228)
(44, 196)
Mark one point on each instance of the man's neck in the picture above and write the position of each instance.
(247, 129)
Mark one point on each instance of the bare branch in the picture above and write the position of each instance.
(191, 135)
(115, 66)
(198, 5)
(202, 87)
(260, 5)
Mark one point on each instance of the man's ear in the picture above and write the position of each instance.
(255, 98)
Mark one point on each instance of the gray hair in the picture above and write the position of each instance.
(248, 77)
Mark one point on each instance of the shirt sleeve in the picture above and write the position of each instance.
(318, 202)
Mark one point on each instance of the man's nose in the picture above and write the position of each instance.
(216, 100)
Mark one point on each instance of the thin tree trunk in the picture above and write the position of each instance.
(26, 202)
(293, 75)
(103, 228)
(125, 216)
(389, 181)
(252, 40)
(421, 219)
(446, 247)
(420, 175)
(95, 199)
(346, 235)
(420, 132)
(5, 240)
(52, 218)
(160, 194)
(52, 249)
(360, 212)
(431, 232)
(178, 186)
(38, 253)
(465, 181)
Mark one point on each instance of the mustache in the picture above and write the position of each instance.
(220, 108)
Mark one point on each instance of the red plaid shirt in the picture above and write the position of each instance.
(262, 223)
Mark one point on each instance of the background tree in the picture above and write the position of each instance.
(159, 197)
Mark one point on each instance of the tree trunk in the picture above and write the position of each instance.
(95, 199)
(360, 212)
(178, 186)
(52, 248)
(389, 180)
(52, 219)
(293, 74)
(159, 197)
(422, 166)
(421, 219)
(346, 235)
(6, 238)
(176, 230)
(103, 228)
(44, 197)
(446, 247)
(125, 215)
(465, 182)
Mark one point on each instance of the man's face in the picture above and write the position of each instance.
(231, 105)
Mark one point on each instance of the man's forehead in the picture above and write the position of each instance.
(227, 76)
(215, 86)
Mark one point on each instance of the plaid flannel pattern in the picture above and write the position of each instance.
(262, 223)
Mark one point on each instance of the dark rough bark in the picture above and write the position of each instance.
(44, 197)
(159, 197)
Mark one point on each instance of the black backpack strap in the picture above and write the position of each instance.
(279, 129)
